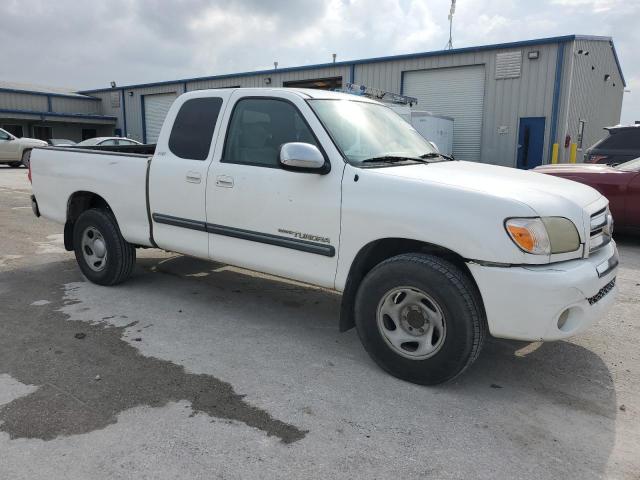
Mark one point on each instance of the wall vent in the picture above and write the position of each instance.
(508, 64)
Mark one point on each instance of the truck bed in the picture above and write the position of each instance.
(145, 149)
(119, 178)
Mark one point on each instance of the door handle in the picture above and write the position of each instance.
(193, 177)
(224, 181)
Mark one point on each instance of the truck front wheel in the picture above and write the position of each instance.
(420, 318)
(103, 255)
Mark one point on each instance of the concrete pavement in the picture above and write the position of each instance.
(198, 370)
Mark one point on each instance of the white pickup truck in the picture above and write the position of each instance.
(338, 191)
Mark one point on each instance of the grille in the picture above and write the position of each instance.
(602, 292)
(601, 230)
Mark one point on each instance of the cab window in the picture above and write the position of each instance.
(259, 127)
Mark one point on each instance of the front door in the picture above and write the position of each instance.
(9, 147)
(530, 142)
(261, 216)
(178, 174)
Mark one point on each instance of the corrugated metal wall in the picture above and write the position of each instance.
(23, 101)
(40, 103)
(133, 103)
(586, 95)
(506, 100)
(75, 105)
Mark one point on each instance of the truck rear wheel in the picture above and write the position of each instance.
(15, 164)
(103, 255)
(420, 318)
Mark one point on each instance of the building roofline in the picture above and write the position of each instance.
(77, 96)
(409, 56)
(84, 116)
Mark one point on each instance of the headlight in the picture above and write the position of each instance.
(543, 236)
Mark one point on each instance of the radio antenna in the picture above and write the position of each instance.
(452, 10)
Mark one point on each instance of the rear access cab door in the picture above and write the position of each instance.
(177, 180)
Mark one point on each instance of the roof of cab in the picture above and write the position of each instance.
(306, 93)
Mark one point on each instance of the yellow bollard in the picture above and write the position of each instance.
(554, 153)
(573, 153)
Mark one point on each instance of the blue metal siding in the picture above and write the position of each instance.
(556, 98)
(144, 122)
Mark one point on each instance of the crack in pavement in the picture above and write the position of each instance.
(70, 399)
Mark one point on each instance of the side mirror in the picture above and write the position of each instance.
(303, 157)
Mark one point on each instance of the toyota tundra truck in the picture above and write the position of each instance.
(430, 254)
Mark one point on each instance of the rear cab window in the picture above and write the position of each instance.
(627, 139)
(192, 131)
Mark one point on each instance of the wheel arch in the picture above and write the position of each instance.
(78, 203)
(379, 250)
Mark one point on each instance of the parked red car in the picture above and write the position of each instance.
(620, 184)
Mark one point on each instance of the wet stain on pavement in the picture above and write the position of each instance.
(69, 401)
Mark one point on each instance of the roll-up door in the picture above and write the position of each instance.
(156, 107)
(456, 92)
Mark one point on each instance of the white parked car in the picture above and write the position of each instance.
(14, 150)
(106, 141)
(338, 191)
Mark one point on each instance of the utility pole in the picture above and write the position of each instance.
(452, 10)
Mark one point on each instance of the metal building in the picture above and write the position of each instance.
(44, 113)
(510, 102)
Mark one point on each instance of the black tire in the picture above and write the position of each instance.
(15, 164)
(120, 255)
(26, 156)
(457, 299)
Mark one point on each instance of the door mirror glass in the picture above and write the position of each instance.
(301, 156)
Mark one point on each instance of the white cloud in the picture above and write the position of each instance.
(130, 41)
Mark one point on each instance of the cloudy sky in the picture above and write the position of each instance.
(86, 44)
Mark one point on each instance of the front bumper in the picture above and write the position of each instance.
(527, 302)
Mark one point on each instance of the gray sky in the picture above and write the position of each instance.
(86, 44)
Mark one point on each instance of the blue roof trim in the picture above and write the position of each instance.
(84, 116)
(45, 94)
(522, 43)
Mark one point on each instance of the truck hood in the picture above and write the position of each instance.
(32, 142)
(545, 194)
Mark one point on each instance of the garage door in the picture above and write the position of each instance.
(156, 108)
(457, 92)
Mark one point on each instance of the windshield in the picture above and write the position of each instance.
(365, 130)
(630, 166)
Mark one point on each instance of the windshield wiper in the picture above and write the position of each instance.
(393, 159)
(437, 154)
